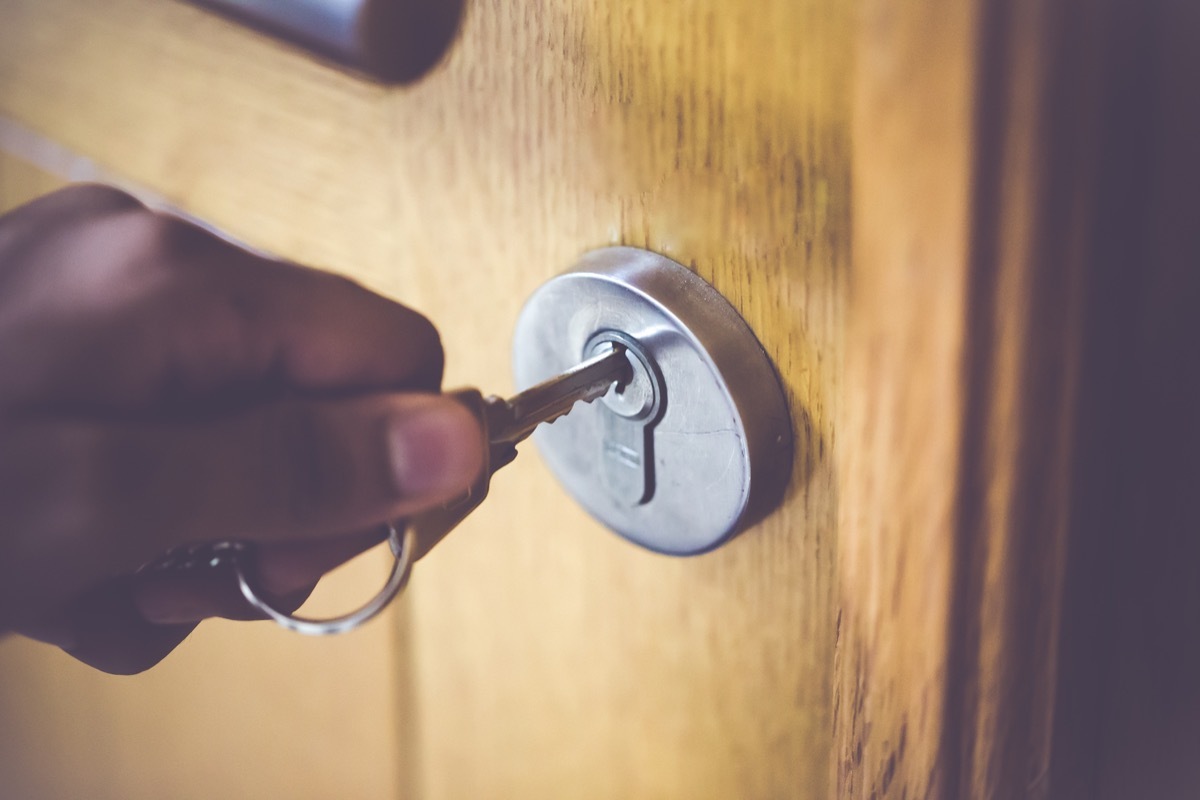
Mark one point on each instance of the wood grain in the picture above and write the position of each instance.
(1043, 527)
(965, 232)
(545, 657)
(899, 425)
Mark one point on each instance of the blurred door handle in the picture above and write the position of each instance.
(388, 40)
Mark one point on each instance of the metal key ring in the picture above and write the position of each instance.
(402, 549)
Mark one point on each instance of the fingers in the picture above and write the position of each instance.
(326, 333)
(261, 319)
(163, 387)
(104, 629)
(130, 624)
(130, 309)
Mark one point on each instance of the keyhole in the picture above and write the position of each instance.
(628, 416)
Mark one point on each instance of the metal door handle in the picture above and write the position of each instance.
(393, 41)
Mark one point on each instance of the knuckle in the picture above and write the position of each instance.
(169, 240)
(334, 285)
(418, 345)
(45, 224)
(78, 203)
(430, 357)
(422, 333)
(336, 280)
(101, 198)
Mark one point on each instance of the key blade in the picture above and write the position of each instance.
(512, 420)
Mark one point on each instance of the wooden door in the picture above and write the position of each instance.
(880, 189)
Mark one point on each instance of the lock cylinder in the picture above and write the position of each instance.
(696, 445)
(629, 413)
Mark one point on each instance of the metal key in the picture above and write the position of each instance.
(506, 423)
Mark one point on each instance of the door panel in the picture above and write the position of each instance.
(922, 210)
(899, 430)
(544, 656)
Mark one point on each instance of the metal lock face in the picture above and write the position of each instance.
(697, 445)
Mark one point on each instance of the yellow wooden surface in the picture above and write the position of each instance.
(899, 427)
(541, 656)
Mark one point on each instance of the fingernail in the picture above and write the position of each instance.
(436, 448)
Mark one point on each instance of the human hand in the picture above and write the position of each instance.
(160, 386)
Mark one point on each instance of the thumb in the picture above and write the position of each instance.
(111, 497)
(295, 469)
(302, 469)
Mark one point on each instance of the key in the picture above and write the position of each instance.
(507, 423)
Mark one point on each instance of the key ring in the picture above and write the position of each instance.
(402, 551)
(232, 553)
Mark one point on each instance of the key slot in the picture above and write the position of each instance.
(629, 412)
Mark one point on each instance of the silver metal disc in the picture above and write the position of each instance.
(721, 446)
